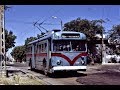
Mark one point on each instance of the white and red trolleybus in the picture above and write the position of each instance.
(58, 51)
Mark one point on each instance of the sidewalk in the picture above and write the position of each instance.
(16, 77)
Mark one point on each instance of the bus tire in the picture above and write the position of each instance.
(31, 66)
(44, 68)
(45, 72)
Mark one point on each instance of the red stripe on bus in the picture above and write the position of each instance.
(28, 54)
(41, 54)
(67, 58)
(63, 56)
(78, 56)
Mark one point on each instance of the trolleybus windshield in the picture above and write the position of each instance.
(69, 45)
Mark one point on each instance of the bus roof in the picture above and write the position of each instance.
(58, 32)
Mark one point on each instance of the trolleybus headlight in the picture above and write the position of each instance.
(58, 62)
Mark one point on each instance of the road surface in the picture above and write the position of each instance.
(95, 75)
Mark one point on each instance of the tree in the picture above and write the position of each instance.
(19, 53)
(90, 28)
(9, 40)
(30, 39)
(114, 39)
(115, 31)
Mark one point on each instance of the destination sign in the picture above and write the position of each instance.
(70, 35)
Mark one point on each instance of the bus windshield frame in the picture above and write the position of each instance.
(69, 45)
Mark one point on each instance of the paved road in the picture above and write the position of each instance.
(58, 79)
(102, 75)
(95, 75)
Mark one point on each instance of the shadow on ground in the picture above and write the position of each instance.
(62, 74)
(67, 74)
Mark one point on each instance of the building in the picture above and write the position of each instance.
(2, 37)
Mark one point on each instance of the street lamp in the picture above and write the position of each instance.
(60, 21)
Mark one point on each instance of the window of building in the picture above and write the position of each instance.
(39, 48)
(2, 50)
(42, 47)
(2, 29)
(2, 36)
(2, 43)
(1, 24)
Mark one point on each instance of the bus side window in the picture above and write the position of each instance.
(45, 47)
(37, 51)
(40, 48)
(30, 49)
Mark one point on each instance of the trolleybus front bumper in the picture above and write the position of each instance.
(68, 68)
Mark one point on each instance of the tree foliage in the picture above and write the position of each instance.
(115, 39)
(90, 28)
(19, 53)
(9, 40)
(115, 30)
(30, 39)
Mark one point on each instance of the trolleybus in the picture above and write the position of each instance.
(58, 51)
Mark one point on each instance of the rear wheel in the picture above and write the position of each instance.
(31, 66)
(44, 67)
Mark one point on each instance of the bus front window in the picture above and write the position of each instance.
(78, 45)
(71, 45)
(61, 45)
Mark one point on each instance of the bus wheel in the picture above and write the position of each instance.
(45, 72)
(31, 67)
(44, 67)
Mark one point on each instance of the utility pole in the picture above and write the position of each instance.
(2, 40)
(1, 34)
(61, 25)
(103, 50)
(5, 70)
(3, 63)
(103, 46)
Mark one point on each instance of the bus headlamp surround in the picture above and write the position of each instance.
(59, 62)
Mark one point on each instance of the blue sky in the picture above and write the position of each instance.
(20, 18)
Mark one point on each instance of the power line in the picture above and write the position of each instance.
(44, 21)
(50, 16)
(14, 21)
